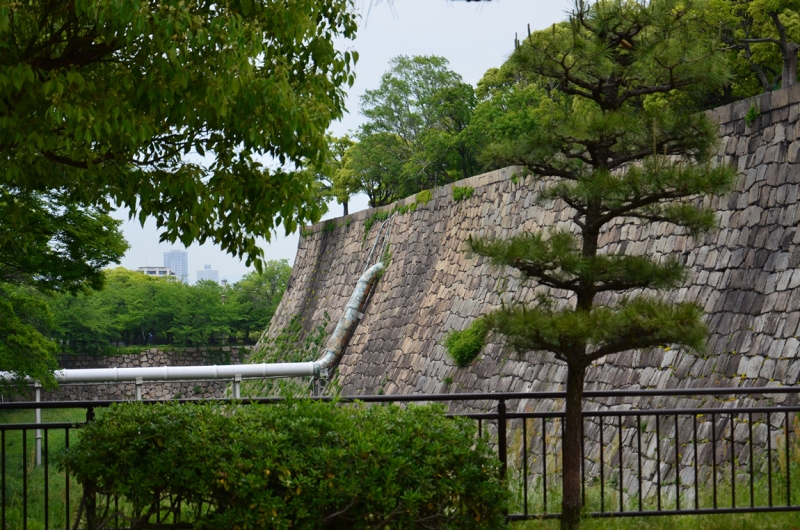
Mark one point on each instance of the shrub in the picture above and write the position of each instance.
(298, 464)
(462, 193)
(464, 346)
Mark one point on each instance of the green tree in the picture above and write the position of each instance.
(202, 315)
(766, 35)
(332, 176)
(416, 118)
(257, 295)
(101, 100)
(48, 245)
(375, 166)
(612, 130)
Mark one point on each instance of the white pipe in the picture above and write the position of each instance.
(179, 373)
(319, 368)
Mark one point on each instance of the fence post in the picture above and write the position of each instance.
(502, 449)
(139, 382)
(237, 386)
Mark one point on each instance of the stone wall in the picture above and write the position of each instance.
(150, 389)
(745, 275)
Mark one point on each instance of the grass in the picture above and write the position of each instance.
(21, 468)
(750, 521)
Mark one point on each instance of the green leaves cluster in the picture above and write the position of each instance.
(416, 135)
(135, 308)
(48, 245)
(296, 464)
(165, 107)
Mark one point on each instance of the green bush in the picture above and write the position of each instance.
(464, 346)
(298, 464)
(462, 193)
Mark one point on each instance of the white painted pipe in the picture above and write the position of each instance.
(319, 368)
(180, 373)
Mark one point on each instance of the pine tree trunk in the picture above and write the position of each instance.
(344, 204)
(571, 445)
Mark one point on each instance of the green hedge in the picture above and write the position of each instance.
(299, 464)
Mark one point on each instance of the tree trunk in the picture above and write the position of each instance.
(789, 66)
(344, 205)
(571, 445)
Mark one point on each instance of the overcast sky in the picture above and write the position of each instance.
(472, 36)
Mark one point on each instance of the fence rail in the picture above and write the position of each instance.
(642, 462)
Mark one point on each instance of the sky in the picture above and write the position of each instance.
(473, 36)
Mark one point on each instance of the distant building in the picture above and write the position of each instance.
(208, 274)
(157, 271)
(178, 262)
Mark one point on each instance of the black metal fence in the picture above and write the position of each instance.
(714, 458)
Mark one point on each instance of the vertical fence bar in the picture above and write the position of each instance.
(658, 461)
(621, 498)
(24, 479)
(733, 464)
(714, 456)
(544, 463)
(696, 466)
(138, 387)
(46, 479)
(769, 457)
(750, 441)
(501, 440)
(3, 471)
(788, 461)
(66, 480)
(639, 451)
(480, 428)
(525, 466)
(501, 436)
(677, 465)
(583, 461)
(602, 477)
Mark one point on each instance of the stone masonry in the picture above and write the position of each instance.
(746, 275)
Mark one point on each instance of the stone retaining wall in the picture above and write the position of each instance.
(745, 275)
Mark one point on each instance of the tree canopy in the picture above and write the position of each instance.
(164, 107)
(615, 136)
(137, 309)
(48, 244)
(415, 136)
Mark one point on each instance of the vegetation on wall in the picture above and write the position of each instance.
(296, 464)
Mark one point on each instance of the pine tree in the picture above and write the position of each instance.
(618, 139)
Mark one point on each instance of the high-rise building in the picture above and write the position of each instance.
(208, 274)
(178, 262)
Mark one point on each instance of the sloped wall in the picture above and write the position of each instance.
(745, 275)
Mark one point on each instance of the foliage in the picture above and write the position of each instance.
(291, 344)
(297, 464)
(752, 115)
(256, 297)
(136, 308)
(48, 244)
(416, 135)
(103, 100)
(764, 35)
(462, 193)
(463, 346)
(615, 134)
(334, 177)
(424, 197)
